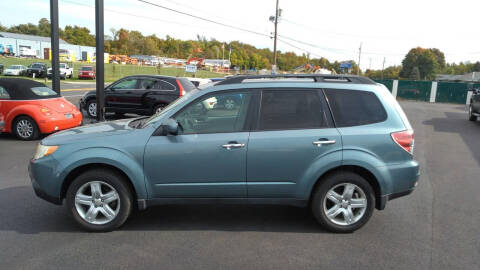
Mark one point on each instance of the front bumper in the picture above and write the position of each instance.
(44, 183)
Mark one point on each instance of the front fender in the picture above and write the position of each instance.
(125, 162)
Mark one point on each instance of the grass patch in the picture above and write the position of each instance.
(114, 72)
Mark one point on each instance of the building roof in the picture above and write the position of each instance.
(28, 37)
(468, 77)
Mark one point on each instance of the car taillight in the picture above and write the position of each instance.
(404, 139)
(45, 111)
(182, 91)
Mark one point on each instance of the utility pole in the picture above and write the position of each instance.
(54, 39)
(274, 67)
(383, 66)
(359, 57)
(223, 54)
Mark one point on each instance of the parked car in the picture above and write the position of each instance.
(474, 107)
(65, 71)
(339, 144)
(143, 94)
(31, 108)
(15, 70)
(87, 72)
(38, 70)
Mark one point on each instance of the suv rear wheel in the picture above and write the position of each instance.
(99, 200)
(343, 202)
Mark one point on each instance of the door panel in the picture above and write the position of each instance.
(197, 165)
(277, 160)
(122, 94)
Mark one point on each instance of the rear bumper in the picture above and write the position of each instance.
(49, 125)
(86, 76)
(403, 178)
(385, 198)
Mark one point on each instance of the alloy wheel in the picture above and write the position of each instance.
(345, 204)
(97, 202)
(92, 109)
(25, 128)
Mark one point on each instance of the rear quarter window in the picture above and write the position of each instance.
(355, 107)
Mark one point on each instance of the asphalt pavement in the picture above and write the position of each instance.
(437, 227)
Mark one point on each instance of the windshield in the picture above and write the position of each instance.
(154, 118)
(63, 65)
(15, 67)
(86, 68)
(37, 66)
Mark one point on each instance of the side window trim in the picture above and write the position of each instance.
(318, 92)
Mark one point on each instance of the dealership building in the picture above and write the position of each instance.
(40, 47)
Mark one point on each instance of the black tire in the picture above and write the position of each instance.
(113, 179)
(89, 103)
(158, 107)
(471, 117)
(22, 120)
(331, 181)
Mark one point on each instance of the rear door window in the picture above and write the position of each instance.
(291, 109)
(355, 107)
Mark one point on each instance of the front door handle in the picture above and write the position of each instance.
(229, 146)
(322, 142)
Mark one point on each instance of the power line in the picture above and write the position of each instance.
(207, 20)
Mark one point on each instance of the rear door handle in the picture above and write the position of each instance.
(322, 142)
(229, 146)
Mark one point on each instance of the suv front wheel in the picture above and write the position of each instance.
(99, 200)
(343, 202)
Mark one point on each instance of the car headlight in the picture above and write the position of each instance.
(44, 150)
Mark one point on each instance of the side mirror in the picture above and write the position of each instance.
(170, 127)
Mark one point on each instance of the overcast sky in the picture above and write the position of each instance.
(332, 29)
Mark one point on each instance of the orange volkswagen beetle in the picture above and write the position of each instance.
(31, 108)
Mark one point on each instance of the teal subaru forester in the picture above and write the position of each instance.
(338, 144)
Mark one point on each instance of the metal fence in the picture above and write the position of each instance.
(430, 91)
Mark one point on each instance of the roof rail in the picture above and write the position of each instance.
(316, 77)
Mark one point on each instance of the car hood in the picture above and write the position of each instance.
(11, 70)
(89, 132)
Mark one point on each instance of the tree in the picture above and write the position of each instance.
(428, 62)
(415, 74)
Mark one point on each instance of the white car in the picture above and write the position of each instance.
(65, 71)
(15, 70)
